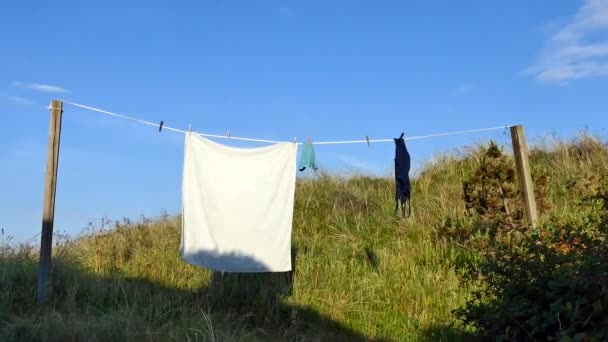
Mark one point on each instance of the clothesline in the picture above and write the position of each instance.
(158, 125)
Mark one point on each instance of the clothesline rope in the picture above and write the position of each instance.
(414, 137)
(275, 141)
(124, 116)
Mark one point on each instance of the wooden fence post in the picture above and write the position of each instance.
(522, 164)
(48, 210)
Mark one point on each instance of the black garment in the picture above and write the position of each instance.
(402, 178)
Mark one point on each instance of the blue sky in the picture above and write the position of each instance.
(330, 70)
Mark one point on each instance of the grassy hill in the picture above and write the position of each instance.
(361, 273)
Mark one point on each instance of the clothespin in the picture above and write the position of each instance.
(401, 137)
(228, 134)
(308, 140)
(367, 139)
(160, 127)
(295, 139)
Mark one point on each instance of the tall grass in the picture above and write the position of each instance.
(361, 272)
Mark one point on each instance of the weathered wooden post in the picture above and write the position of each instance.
(522, 164)
(48, 211)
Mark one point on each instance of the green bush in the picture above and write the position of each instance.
(547, 283)
(494, 213)
(550, 287)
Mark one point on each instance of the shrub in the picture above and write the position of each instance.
(552, 285)
(549, 288)
(492, 200)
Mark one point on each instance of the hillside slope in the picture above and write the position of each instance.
(360, 271)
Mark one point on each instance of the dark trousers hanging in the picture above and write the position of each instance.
(402, 178)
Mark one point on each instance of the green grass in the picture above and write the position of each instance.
(360, 272)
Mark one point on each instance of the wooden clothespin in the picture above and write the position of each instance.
(367, 139)
(308, 140)
(160, 127)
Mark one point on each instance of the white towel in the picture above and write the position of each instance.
(237, 206)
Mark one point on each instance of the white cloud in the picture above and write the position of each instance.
(578, 49)
(15, 99)
(45, 88)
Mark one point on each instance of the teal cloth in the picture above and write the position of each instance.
(307, 158)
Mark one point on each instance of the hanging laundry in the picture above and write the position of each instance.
(402, 178)
(307, 158)
(237, 206)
